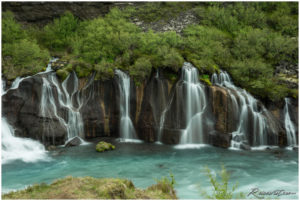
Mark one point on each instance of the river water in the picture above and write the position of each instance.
(268, 170)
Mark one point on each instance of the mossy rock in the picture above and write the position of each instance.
(104, 146)
(62, 74)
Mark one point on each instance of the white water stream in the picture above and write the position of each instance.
(195, 105)
(246, 109)
(127, 130)
(289, 126)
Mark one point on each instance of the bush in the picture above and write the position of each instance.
(104, 70)
(57, 36)
(221, 189)
(106, 38)
(141, 69)
(11, 30)
(21, 55)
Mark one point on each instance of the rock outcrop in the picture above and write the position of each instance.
(41, 13)
(156, 97)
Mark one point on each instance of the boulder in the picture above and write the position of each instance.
(104, 146)
(245, 146)
(51, 148)
(76, 141)
(220, 139)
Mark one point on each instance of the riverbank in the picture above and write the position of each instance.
(94, 188)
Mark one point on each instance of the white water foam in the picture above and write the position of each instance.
(16, 148)
(191, 146)
(125, 140)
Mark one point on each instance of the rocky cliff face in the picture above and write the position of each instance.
(41, 13)
(149, 101)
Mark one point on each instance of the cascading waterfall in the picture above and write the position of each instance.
(16, 148)
(289, 126)
(248, 108)
(66, 99)
(127, 130)
(195, 105)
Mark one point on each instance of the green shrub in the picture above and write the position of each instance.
(59, 35)
(104, 70)
(21, 55)
(11, 30)
(220, 186)
(106, 38)
(141, 69)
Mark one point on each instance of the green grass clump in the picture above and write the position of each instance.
(104, 146)
(89, 188)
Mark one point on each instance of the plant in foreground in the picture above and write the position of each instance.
(220, 185)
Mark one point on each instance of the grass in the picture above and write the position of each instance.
(94, 188)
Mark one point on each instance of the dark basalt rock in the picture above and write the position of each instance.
(76, 141)
(245, 146)
(101, 115)
(21, 109)
(220, 139)
(171, 136)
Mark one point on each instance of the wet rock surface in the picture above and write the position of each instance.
(76, 141)
(100, 112)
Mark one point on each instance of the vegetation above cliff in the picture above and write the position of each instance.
(94, 188)
(249, 40)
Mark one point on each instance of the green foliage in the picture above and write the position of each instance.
(247, 39)
(141, 69)
(220, 186)
(206, 79)
(104, 70)
(106, 38)
(21, 55)
(165, 185)
(11, 30)
(59, 35)
(206, 48)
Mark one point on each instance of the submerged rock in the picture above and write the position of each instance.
(104, 146)
(51, 148)
(76, 141)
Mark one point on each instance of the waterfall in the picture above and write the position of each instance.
(195, 104)
(16, 148)
(289, 126)
(127, 130)
(248, 112)
(66, 99)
